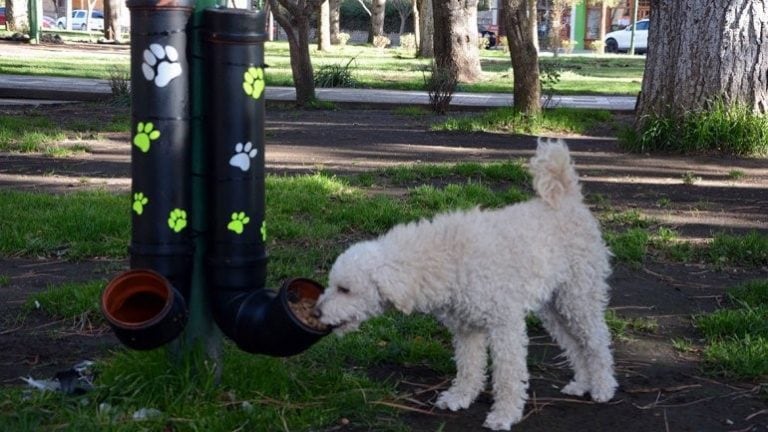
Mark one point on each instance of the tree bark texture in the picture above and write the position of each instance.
(112, 20)
(701, 50)
(524, 56)
(335, 14)
(16, 16)
(416, 24)
(455, 38)
(426, 29)
(378, 8)
(294, 16)
(324, 27)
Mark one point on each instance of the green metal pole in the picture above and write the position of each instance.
(35, 11)
(201, 331)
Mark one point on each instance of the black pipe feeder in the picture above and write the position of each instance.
(160, 172)
(257, 319)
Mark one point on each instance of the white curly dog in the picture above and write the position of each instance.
(480, 272)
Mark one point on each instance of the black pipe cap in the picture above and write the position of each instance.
(144, 310)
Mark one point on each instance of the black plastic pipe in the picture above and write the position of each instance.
(160, 173)
(257, 319)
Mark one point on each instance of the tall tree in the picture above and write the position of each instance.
(404, 8)
(335, 13)
(700, 50)
(378, 11)
(524, 56)
(294, 17)
(324, 27)
(455, 38)
(16, 17)
(112, 20)
(426, 29)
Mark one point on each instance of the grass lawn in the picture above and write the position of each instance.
(372, 68)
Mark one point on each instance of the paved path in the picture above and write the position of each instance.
(84, 89)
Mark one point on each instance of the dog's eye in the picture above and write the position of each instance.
(342, 290)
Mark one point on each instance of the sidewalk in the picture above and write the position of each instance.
(82, 89)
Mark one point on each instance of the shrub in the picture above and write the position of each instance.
(440, 85)
(408, 42)
(335, 75)
(120, 84)
(343, 38)
(381, 42)
(503, 43)
(597, 46)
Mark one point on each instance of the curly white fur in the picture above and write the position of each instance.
(480, 272)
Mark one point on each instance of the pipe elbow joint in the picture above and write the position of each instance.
(262, 321)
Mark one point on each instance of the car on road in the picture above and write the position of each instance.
(79, 20)
(48, 22)
(619, 40)
(2, 16)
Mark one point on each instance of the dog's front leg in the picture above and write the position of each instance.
(509, 347)
(470, 351)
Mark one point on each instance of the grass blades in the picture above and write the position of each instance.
(558, 120)
(722, 128)
(737, 337)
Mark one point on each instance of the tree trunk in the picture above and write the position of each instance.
(293, 16)
(324, 27)
(524, 56)
(603, 15)
(533, 15)
(426, 29)
(456, 38)
(335, 13)
(700, 50)
(555, 26)
(378, 9)
(16, 17)
(416, 24)
(112, 20)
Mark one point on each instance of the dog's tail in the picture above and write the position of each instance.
(554, 177)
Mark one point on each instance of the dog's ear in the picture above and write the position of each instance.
(394, 290)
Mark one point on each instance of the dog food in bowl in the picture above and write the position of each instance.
(303, 310)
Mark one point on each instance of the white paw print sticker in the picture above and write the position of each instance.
(243, 156)
(161, 64)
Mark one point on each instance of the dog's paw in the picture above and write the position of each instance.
(575, 388)
(501, 421)
(603, 390)
(453, 401)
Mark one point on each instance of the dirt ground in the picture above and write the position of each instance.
(662, 389)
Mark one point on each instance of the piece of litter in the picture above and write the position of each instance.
(44, 385)
(247, 406)
(37, 304)
(105, 408)
(729, 422)
(147, 414)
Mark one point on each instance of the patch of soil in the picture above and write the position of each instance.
(661, 388)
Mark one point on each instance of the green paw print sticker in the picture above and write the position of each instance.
(253, 82)
(264, 231)
(177, 220)
(139, 201)
(238, 222)
(145, 134)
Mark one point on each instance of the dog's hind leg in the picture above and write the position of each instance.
(509, 347)
(554, 324)
(470, 351)
(583, 312)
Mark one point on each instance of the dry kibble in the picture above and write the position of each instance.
(303, 309)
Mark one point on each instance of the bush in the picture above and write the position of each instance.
(440, 85)
(381, 42)
(408, 42)
(335, 75)
(343, 38)
(722, 128)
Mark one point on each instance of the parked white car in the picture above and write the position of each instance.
(79, 22)
(619, 40)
